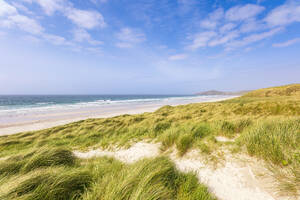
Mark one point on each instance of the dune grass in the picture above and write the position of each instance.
(101, 178)
(264, 123)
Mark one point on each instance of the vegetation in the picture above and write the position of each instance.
(264, 123)
(63, 177)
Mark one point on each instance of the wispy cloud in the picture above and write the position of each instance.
(244, 12)
(284, 15)
(223, 39)
(88, 19)
(129, 37)
(55, 39)
(252, 38)
(178, 57)
(212, 20)
(81, 35)
(241, 26)
(85, 19)
(227, 27)
(201, 39)
(26, 24)
(287, 43)
(6, 9)
(11, 18)
(51, 6)
(98, 1)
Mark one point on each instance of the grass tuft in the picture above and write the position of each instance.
(54, 157)
(184, 143)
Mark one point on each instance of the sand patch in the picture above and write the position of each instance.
(136, 152)
(223, 139)
(239, 178)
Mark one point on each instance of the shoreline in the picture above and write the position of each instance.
(44, 120)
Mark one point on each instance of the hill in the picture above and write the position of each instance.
(287, 90)
(216, 92)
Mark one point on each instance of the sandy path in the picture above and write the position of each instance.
(237, 179)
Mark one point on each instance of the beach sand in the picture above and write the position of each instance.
(38, 120)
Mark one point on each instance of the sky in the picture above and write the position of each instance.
(147, 46)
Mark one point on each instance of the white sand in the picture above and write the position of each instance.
(134, 153)
(223, 139)
(238, 179)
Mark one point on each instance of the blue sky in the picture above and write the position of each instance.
(147, 46)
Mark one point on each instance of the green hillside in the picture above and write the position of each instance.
(287, 90)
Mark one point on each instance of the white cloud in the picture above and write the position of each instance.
(6, 9)
(178, 57)
(242, 26)
(201, 39)
(50, 6)
(129, 37)
(251, 26)
(81, 35)
(287, 43)
(85, 19)
(284, 15)
(21, 7)
(11, 18)
(208, 24)
(253, 38)
(24, 23)
(212, 20)
(227, 27)
(55, 39)
(98, 1)
(224, 38)
(239, 13)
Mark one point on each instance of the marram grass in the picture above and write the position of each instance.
(104, 179)
(264, 123)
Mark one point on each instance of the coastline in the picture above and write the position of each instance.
(44, 120)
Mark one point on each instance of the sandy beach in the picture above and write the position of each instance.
(34, 119)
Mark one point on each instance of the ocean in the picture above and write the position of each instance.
(23, 103)
(33, 112)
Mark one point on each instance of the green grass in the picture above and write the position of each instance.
(36, 159)
(276, 141)
(105, 179)
(264, 123)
